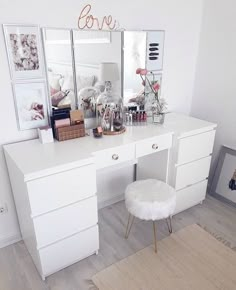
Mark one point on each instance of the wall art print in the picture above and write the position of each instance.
(31, 104)
(224, 181)
(23, 45)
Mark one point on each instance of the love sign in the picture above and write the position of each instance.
(88, 21)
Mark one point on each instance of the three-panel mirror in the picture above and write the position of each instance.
(74, 59)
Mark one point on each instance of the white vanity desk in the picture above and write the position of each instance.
(54, 185)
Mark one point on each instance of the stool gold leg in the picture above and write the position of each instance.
(169, 224)
(155, 237)
(129, 225)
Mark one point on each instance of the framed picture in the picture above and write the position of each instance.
(224, 181)
(155, 50)
(23, 44)
(31, 104)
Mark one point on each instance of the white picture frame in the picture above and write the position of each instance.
(23, 44)
(155, 50)
(31, 104)
(224, 173)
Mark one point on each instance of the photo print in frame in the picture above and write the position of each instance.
(31, 104)
(224, 181)
(23, 44)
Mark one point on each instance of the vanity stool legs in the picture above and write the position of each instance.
(155, 236)
(131, 221)
(150, 200)
(169, 224)
(129, 225)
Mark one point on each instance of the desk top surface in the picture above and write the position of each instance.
(32, 156)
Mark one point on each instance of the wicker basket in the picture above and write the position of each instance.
(70, 132)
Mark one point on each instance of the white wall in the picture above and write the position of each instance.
(215, 84)
(180, 19)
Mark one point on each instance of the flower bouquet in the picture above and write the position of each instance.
(159, 105)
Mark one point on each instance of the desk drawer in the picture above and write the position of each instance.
(58, 190)
(59, 224)
(69, 251)
(195, 147)
(153, 145)
(190, 196)
(114, 156)
(192, 173)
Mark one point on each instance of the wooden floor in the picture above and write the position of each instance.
(18, 272)
(189, 259)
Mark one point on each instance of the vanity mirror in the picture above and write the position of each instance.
(91, 50)
(143, 52)
(75, 61)
(59, 67)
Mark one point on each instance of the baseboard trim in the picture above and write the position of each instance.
(105, 203)
(7, 241)
(223, 199)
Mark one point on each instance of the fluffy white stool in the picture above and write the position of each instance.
(150, 199)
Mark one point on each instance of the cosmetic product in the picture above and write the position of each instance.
(140, 117)
(145, 116)
(130, 118)
(76, 117)
(134, 117)
(62, 123)
(97, 132)
(127, 119)
(137, 117)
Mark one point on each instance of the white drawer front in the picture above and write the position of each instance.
(66, 221)
(57, 190)
(195, 147)
(69, 251)
(192, 173)
(114, 156)
(153, 145)
(190, 196)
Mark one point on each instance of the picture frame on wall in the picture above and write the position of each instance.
(224, 180)
(23, 44)
(31, 104)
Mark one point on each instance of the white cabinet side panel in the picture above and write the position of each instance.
(23, 210)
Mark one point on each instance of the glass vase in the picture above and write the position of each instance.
(110, 113)
(158, 118)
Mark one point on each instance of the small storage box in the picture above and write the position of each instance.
(70, 132)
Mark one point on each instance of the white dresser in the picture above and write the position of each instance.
(54, 185)
(190, 159)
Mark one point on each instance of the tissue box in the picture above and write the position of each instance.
(45, 135)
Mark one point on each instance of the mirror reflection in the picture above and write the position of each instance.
(59, 65)
(134, 58)
(91, 50)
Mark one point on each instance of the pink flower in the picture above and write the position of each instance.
(156, 87)
(138, 71)
(143, 72)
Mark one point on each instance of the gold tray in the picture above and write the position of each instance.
(114, 132)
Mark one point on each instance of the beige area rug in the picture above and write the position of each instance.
(187, 260)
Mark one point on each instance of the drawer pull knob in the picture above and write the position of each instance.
(115, 157)
(155, 146)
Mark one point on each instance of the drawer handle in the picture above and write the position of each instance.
(115, 157)
(155, 146)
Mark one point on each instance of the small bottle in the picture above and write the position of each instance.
(137, 118)
(144, 116)
(134, 117)
(140, 117)
(130, 118)
(127, 119)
